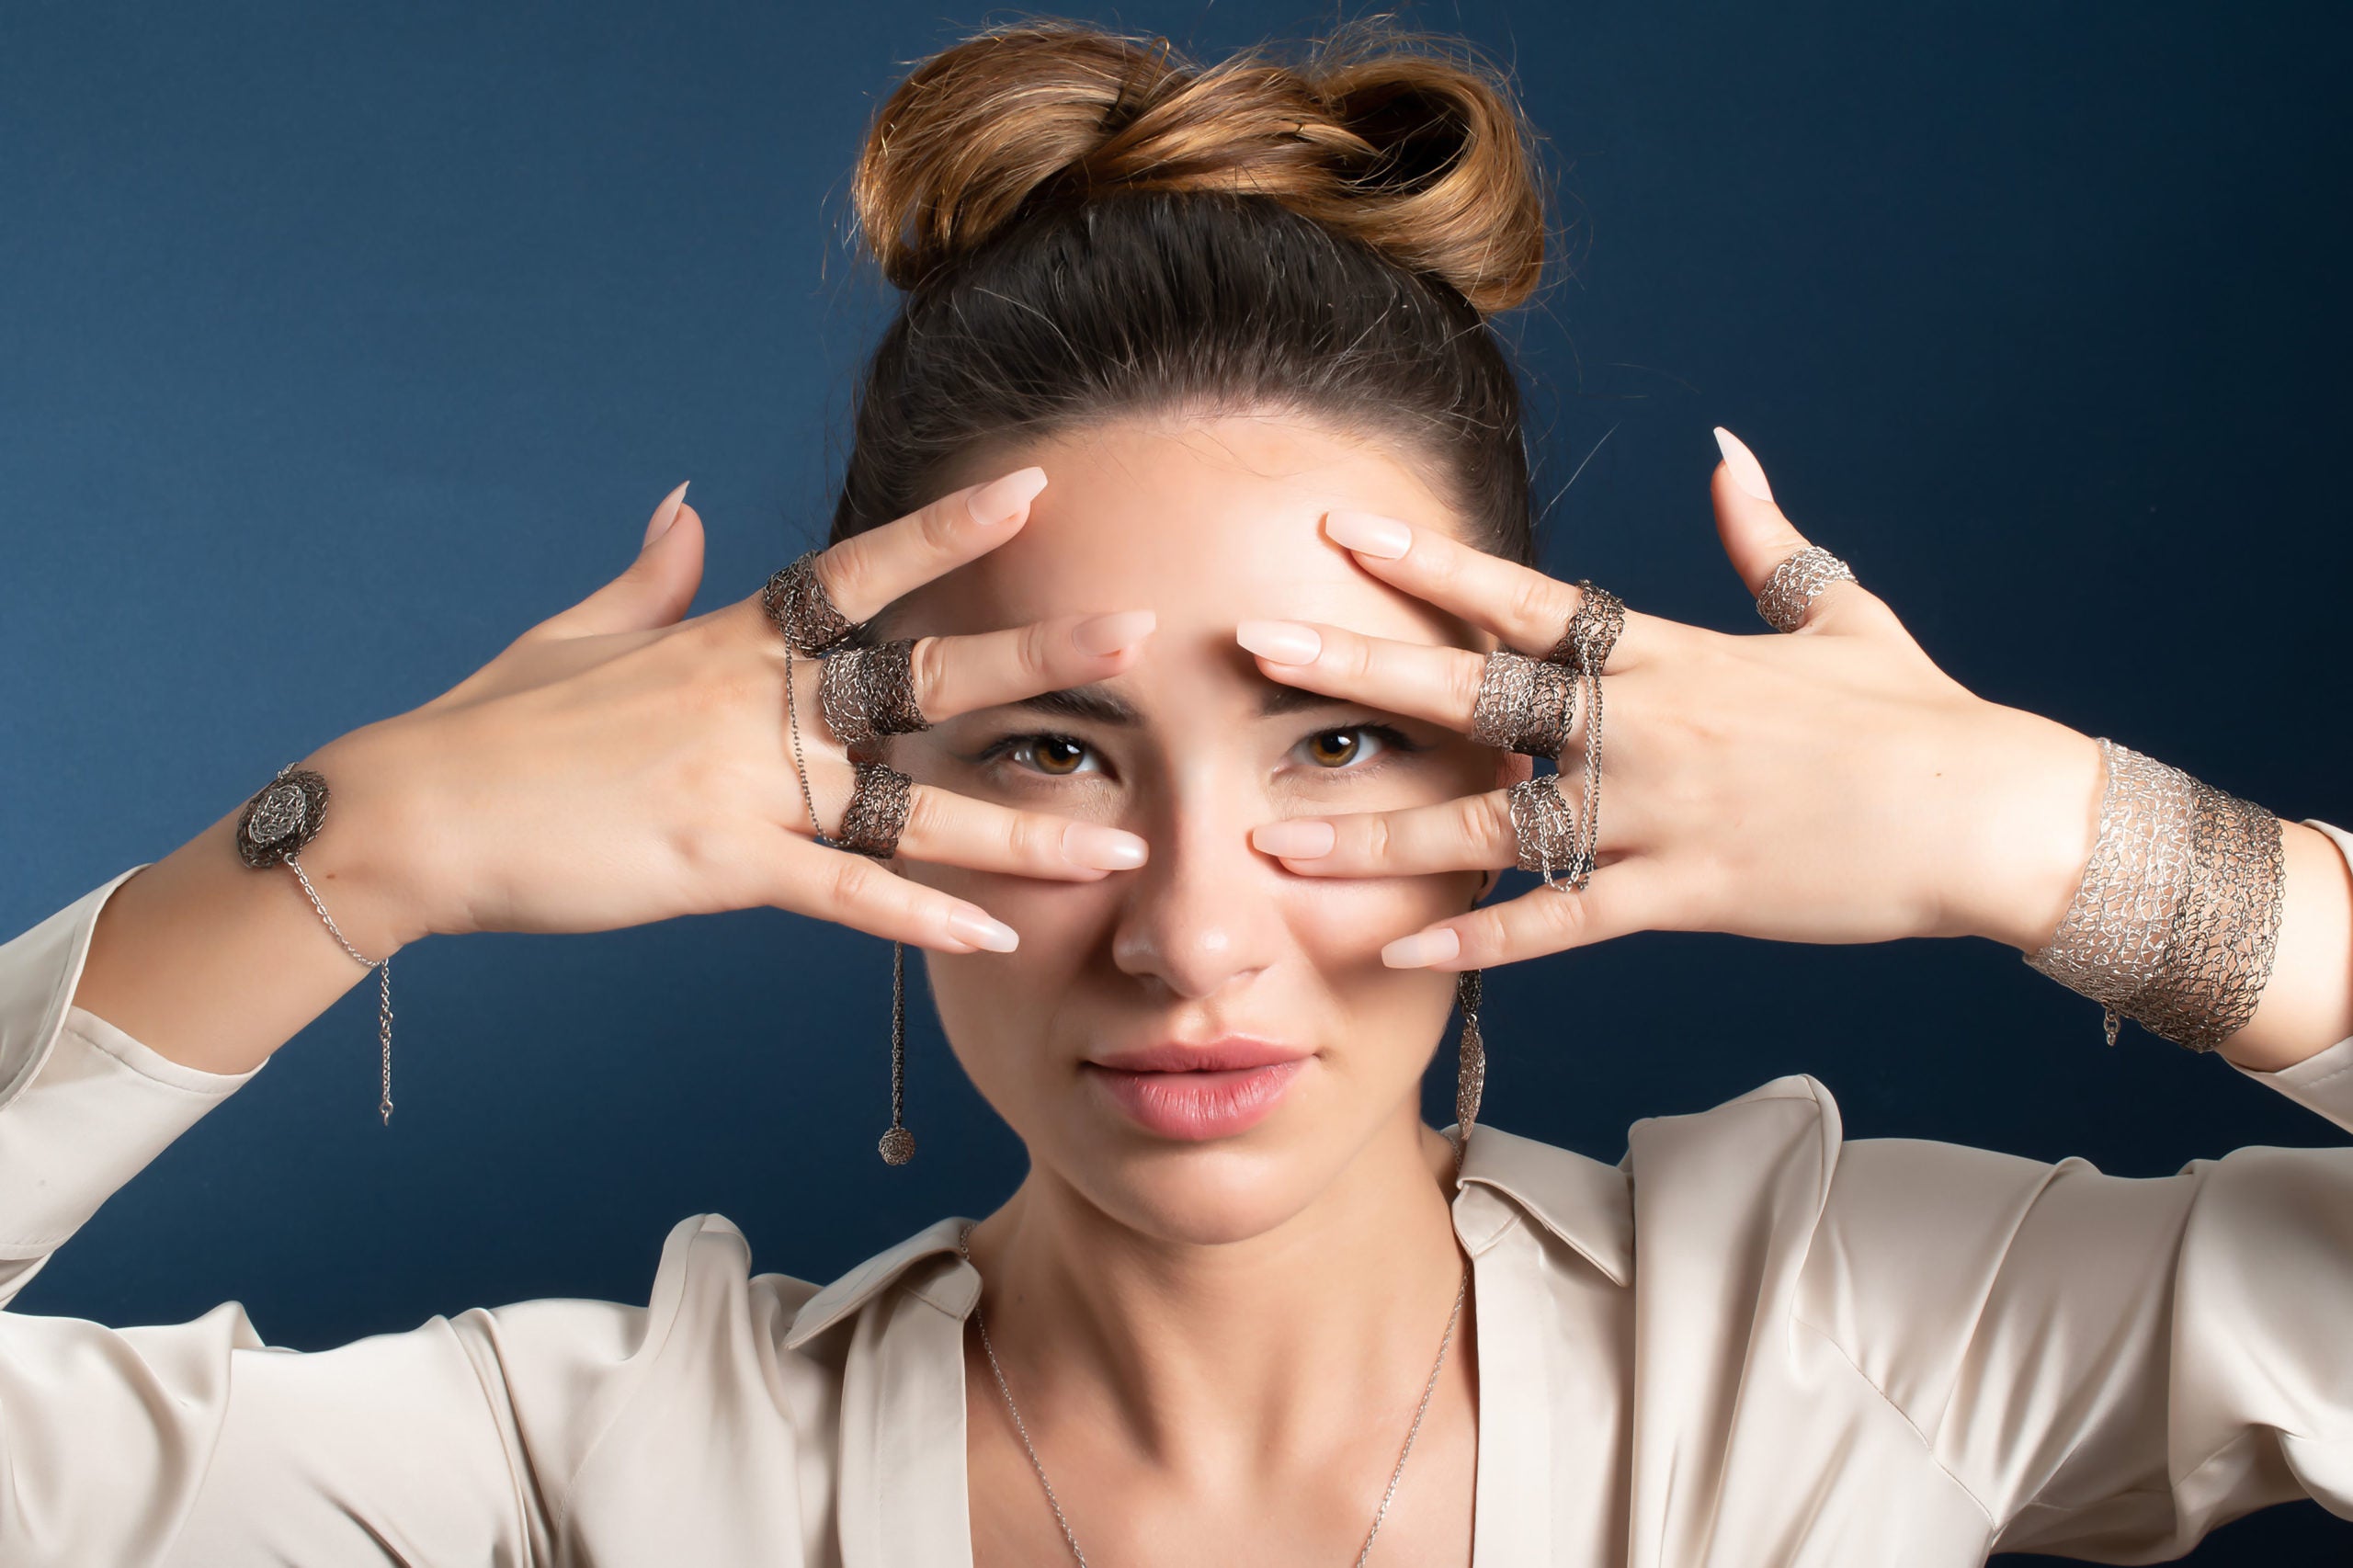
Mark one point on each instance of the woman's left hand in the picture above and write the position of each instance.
(1827, 785)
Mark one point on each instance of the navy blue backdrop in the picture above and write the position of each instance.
(338, 344)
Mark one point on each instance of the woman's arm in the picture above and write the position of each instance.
(614, 766)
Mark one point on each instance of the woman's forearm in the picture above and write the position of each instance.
(214, 964)
(2308, 1004)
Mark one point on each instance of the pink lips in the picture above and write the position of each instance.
(1199, 1092)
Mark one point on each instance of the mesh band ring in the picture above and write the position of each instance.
(1545, 828)
(877, 812)
(799, 607)
(1592, 631)
(1525, 705)
(866, 692)
(1789, 591)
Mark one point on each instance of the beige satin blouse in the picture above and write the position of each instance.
(1750, 1341)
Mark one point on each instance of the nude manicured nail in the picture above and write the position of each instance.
(1302, 838)
(975, 925)
(1110, 633)
(1103, 848)
(666, 513)
(1422, 947)
(1285, 641)
(1746, 471)
(1384, 537)
(1001, 498)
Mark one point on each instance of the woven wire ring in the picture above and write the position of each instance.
(1592, 631)
(799, 607)
(1544, 827)
(866, 692)
(1527, 705)
(1789, 591)
(877, 810)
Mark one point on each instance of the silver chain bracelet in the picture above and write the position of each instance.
(2178, 915)
(275, 825)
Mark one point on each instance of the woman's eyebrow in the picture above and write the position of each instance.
(1090, 702)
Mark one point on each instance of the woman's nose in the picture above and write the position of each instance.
(1200, 913)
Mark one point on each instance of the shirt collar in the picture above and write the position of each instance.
(1586, 1204)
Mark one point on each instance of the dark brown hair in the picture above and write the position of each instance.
(1085, 226)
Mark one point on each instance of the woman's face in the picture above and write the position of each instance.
(1207, 522)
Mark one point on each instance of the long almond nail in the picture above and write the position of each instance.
(1384, 537)
(666, 513)
(1285, 641)
(1110, 633)
(1001, 499)
(1421, 948)
(1746, 471)
(1101, 848)
(1301, 838)
(976, 927)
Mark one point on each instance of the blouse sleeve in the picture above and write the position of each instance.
(2113, 1367)
(197, 1443)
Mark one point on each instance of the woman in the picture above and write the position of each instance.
(1182, 573)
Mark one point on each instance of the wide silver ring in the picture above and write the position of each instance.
(870, 691)
(1592, 631)
(1545, 830)
(799, 607)
(1789, 591)
(1526, 705)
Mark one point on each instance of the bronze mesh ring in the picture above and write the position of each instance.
(877, 810)
(799, 607)
(1592, 631)
(1545, 827)
(865, 692)
(1527, 704)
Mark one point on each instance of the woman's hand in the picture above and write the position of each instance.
(616, 765)
(1827, 785)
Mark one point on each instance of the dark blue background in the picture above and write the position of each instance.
(336, 347)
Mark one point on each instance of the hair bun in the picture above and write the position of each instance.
(1378, 136)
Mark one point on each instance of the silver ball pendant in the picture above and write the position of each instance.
(898, 1146)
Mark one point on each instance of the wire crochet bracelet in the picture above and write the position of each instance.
(2176, 921)
(277, 824)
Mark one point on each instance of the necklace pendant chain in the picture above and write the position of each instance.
(1070, 1538)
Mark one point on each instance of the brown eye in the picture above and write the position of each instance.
(1334, 748)
(1052, 754)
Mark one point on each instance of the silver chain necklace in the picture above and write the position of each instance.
(964, 1248)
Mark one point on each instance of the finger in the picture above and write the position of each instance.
(791, 872)
(956, 675)
(655, 589)
(867, 571)
(956, 830)
(1623, 896)
(1470, 833)
(1423, 679)
(1527, 609)
(1757, 538)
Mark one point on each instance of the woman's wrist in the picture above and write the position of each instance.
(367, 860)
(2030, 821)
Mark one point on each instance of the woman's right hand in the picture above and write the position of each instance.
(617, 766)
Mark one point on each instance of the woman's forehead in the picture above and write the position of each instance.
(1207, 522)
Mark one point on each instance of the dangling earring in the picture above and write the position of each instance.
(1471, 1077)
(898, 1144)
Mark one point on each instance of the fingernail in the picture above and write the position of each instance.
(1110, 633)
(1104, 848)
(1384, 537)
(1000, 499)
(1422, 947)
(974, 925)
(666, 513)
(1746, 471)
(1301, 838)
(1285, 641)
